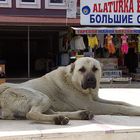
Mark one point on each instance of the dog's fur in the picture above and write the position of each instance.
(69, 92)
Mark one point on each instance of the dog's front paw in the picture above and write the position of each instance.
(86, 115)
(61, 120)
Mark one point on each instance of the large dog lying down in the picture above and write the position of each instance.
(69, 92)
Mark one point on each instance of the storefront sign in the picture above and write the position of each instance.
(110, 12)
(90, 30)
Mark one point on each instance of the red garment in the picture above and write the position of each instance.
(124, 47)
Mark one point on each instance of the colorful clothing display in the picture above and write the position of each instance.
(92, 41)
(124, 47)
(109, 44)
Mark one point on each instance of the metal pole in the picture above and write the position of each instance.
(28, 45)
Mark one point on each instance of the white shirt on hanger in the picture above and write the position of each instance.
(77, 43)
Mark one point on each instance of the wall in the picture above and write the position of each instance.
(32, 12)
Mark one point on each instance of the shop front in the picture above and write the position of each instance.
(29, 51)
(116, 48)
(110, 34)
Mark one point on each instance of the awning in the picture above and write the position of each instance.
(106, 30)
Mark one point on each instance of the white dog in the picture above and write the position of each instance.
(69, 92)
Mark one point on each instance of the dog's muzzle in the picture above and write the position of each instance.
(89, 82)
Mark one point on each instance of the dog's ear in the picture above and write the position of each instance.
(72, 67)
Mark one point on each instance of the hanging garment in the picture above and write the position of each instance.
(77, 43)
(131, 60)
(124, 47)
(117, 41)
(109, 44)
(92, 41)
(138, 43)
(65, 44)
(100, 40)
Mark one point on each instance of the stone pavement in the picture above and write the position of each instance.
(107, 127)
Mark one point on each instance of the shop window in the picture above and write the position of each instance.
(6, 3)
(28, 0)
(35, 4)
(56, 4)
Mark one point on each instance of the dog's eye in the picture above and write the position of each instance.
(82, 69)
(94, 69)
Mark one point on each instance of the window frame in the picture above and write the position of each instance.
(5, 1)
(6, 4)
(32, 5)
(49, 5)
(28, 2)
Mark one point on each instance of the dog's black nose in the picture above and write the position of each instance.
(91, 79)
(89, 82)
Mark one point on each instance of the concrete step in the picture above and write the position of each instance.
(102, 127)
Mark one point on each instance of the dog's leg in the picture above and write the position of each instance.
(36, 114)
(105, 108)
(7, 114)
(76, 115)
(112, 102)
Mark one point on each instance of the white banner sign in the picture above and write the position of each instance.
(110, 12)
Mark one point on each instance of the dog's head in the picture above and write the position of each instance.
(86, 73)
